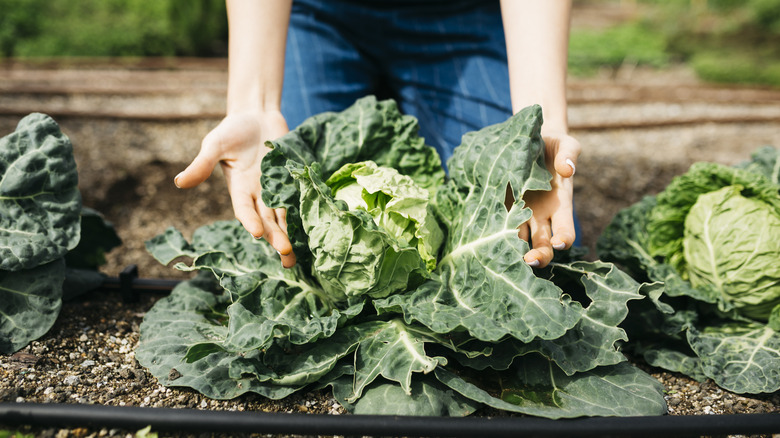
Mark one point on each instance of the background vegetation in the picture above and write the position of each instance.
(722, 40)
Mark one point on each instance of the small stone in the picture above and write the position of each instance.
(83, 338)
(87, 363)
(72, 380)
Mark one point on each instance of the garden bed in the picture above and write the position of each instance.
(128, 154)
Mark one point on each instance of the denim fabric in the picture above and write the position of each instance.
(443, 61)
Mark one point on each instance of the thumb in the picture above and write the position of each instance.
(200, 168)
(566, 158)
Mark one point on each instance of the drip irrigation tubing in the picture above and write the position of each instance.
(194, 420)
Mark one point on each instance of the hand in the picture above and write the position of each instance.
(552, 224)
(237, 144)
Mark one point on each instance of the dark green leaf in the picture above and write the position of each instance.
(30, 301)
(39, 197)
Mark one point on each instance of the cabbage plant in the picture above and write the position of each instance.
(410, 295)
(712, 238)
(45, 255)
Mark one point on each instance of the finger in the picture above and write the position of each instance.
(542, 252)
(200, 168)
(281, 218)
(273, 232)
(244, 210)
(563, 232)
(566, 157)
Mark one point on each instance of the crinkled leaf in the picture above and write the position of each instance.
(278, 309)
(30, 301)
(397, 204)
(352, 255)
(536, 386)
(740, 357)
(483, 252)
(189, 320)
(39, 196)
(428, 397)
(594, 340)
(269, 301)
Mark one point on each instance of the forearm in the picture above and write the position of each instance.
(537, 39)
(257, 38)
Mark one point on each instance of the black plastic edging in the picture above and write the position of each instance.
(194, 420)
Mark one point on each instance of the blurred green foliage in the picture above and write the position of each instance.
(112, 28)
(735, 41)
(630, 43)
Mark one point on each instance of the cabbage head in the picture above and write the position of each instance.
(397, 204)
(712, 237)
(732, 243)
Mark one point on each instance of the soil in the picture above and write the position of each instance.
(136, 124)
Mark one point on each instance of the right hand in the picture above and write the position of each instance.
(237, 144)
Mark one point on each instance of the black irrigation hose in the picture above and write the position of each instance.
(193, 420)
(130, 286)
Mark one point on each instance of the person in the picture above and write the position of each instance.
(456, 65)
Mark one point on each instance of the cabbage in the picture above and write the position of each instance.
(712, 237)
(397, 204)
(410, 294)
(728, 245)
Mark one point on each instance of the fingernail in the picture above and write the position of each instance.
(176, 180)
(559, 245)
(533, 263)
(279, 252)
(571, 164)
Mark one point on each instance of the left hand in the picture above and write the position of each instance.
(552, 224)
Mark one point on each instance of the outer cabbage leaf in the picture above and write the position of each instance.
(352, 255)
(482, 284)
(535, 386)
(268, 301)
(729, 246)
(397, 204)
(740, 357)
(594, 341)
(189, 317)
(428, 397)
(31, 301)
(39, 198)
